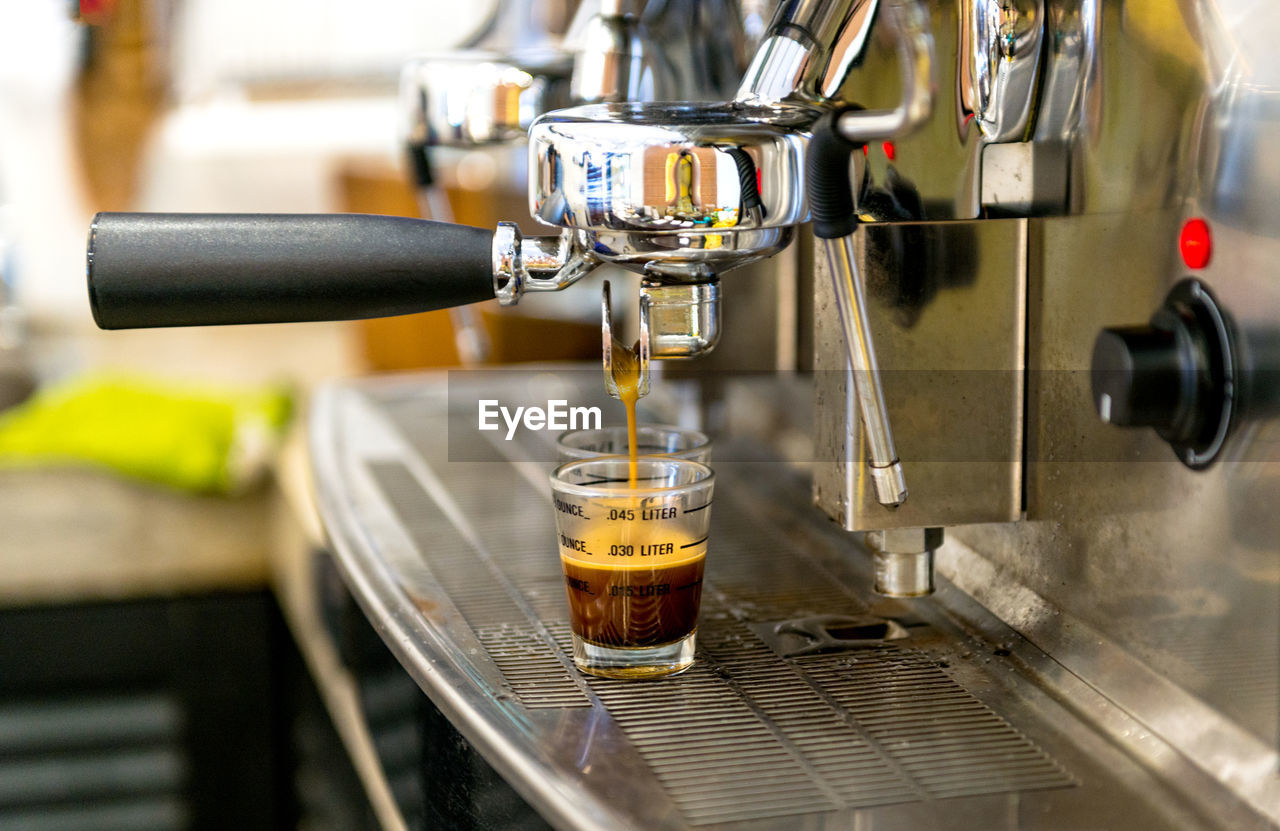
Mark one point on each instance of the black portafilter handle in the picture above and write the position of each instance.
(156, 269)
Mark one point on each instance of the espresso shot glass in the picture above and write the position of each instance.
(633, 559)
(651, 440)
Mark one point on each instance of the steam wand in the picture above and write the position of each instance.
(834, 222)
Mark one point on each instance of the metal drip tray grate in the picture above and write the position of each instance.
(947, 742)
(745, 734)
(533, 670)
(904, 729)
(536, 675)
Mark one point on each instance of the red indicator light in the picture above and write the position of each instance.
(96, 12)
(864, 150)
(890, 150)
(1195, 243)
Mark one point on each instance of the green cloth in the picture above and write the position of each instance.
(189, 437)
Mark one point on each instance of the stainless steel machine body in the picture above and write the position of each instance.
(1155, 584)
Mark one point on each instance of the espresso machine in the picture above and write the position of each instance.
(1026, 572)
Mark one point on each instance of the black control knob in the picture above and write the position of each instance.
(1144, 377)
(1176, 374)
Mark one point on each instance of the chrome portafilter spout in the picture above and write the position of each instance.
(616, 351)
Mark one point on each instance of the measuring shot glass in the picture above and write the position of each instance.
(651, 440)
(632, 561)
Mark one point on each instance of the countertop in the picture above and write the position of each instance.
(70, 534)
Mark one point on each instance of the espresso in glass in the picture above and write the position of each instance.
(632, 557)
(661, 600)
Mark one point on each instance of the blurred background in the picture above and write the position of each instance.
(157, 670)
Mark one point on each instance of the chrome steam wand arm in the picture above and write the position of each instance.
(834, 222)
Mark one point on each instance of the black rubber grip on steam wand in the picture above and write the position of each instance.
(154, 269)
(831, 205)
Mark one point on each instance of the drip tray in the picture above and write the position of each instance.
(812, 704)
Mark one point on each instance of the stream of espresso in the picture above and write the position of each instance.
(626, 376)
